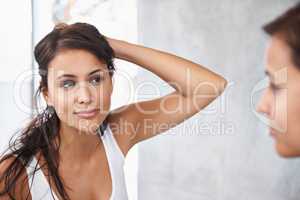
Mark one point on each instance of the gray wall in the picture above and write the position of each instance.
(223, 152)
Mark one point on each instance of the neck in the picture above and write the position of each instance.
(77, 146)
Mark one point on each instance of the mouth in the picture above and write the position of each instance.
(273, 133)
(87, 114)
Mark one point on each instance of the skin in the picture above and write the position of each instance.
(280, 101)
(81, 150)
(79, 81)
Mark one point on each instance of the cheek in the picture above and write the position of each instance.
(279, 111)
(293, 130)
(104, 102)
(63, 104)
(289, 119)
(103, 98)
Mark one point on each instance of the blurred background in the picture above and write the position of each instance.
(223, 152)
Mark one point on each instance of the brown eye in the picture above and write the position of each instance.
(96, 80)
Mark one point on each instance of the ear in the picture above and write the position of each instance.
(46, 96)
(112, 84)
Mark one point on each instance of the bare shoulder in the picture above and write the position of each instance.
(22, 187)
(5, 164)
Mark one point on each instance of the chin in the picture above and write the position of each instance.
(286, 152)
(88, 126)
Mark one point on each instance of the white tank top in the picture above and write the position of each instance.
(40, 188)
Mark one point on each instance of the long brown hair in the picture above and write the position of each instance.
(41, 131)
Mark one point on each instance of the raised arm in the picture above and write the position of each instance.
(195, 87)
(187, 77)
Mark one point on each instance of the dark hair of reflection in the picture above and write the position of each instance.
(39, 136)
(287, 26)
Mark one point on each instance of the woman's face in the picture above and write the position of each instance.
(79, 89)
(280, 101)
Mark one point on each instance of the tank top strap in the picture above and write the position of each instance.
(112, 147)
(116, 160)
(38, 184)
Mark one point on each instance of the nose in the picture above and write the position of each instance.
(84, 94)
(264, 105)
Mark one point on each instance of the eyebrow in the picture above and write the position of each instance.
(73, 76)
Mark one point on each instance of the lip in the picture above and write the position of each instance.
(87, 114)
(273, 133)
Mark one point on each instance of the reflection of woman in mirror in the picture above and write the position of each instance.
(64, 153)
(280, 102)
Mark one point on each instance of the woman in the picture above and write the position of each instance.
(280, 101)
(62, 155)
